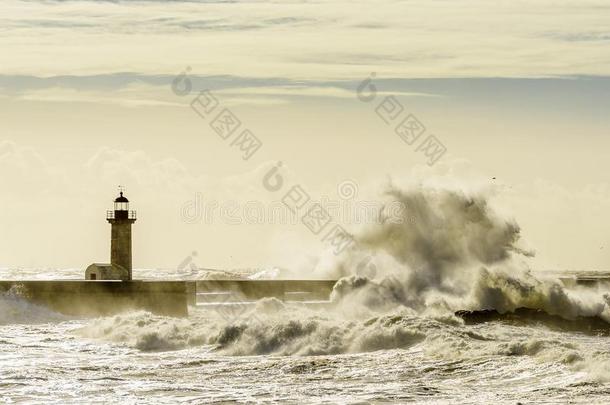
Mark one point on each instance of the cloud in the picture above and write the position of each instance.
(329, 40)
(138, 90)
(26, 173)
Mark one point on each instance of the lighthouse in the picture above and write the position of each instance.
(120, 267)
(121, 220)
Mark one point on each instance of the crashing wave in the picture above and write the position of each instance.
(453, 254)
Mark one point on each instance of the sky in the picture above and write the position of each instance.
(515, 91)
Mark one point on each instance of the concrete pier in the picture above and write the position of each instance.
(173, 298)
(169, 298)
(257, 289)
(589, 279)
(102, 298)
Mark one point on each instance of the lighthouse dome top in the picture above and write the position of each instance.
(121, 210)
(121, 199)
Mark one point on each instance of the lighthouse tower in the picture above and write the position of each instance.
(121, 220)
(119, 268)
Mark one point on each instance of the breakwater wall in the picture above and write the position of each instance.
(101, 298)
(257, 289)
(170, 298)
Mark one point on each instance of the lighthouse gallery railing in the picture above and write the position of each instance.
(111, 215)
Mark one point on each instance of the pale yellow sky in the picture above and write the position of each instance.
(307, 40)
(514, 90)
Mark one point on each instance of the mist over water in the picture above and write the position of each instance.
(389, 333)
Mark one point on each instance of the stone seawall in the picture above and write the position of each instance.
(101, 298)
(256, 289)
(170, 298)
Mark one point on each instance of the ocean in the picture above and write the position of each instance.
(446, 310)
(287, 353)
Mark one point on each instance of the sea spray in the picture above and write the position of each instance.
(457, 254)
(16, 309)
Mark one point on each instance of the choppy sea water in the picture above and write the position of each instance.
(391, 334)
(285, 354)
